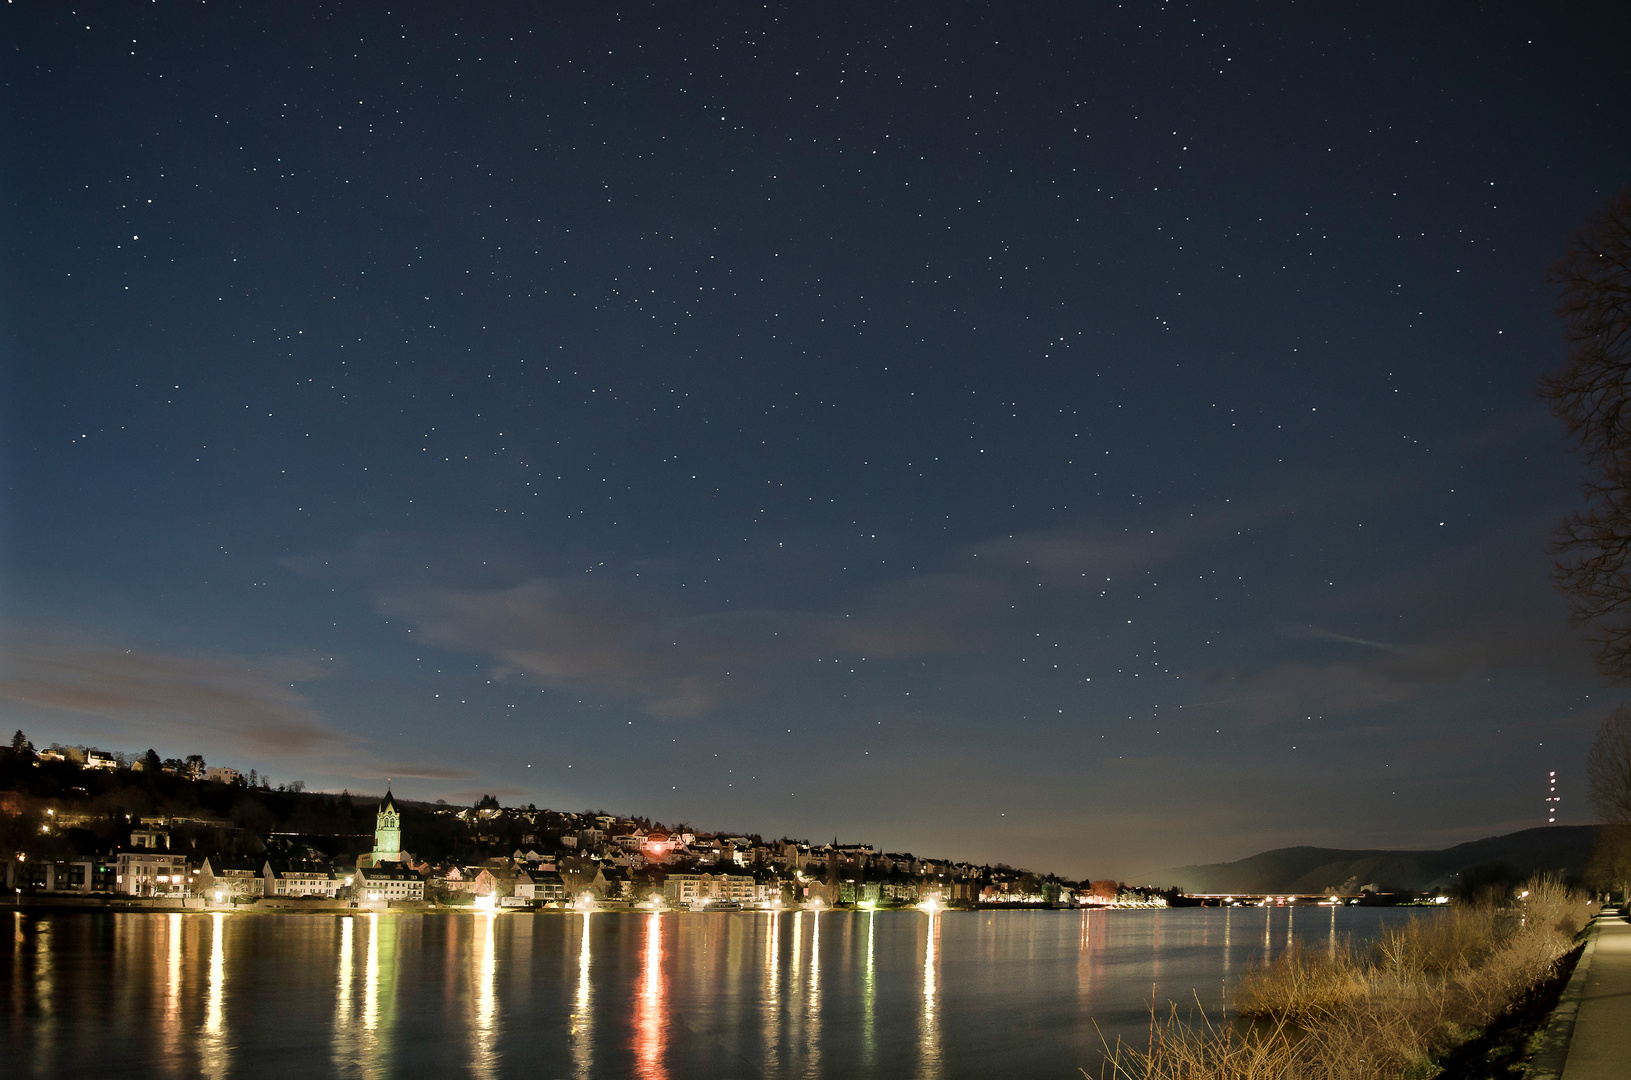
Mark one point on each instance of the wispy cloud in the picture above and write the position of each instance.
(1492, 645)
(252, 705)
(644, 643)
(651, 644)
(241, 706)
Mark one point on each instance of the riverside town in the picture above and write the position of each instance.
(85, 826)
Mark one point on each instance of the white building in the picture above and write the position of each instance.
(388, 882)
(683, 889)
(539, 885)
(220, 878)
(297, 879)
(150, 839)
(151, 873)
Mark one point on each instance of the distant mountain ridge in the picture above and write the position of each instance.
(1560, 849)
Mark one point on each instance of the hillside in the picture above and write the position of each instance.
(1554, 848)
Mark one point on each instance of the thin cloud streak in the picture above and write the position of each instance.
(251, 705)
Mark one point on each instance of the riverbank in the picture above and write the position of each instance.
(1403, 1007)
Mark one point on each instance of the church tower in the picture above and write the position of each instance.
(387, 832)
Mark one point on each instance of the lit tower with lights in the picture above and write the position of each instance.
(387, 831)
(1551, 797)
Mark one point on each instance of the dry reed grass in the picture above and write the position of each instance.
(1386, 1012)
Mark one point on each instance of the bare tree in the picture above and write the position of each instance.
(1608, 768)
(1608, 771)
(1591, 394)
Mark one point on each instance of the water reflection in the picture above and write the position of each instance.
(931, 1065)
(770, 1014)
(345, 1031)
(214, 1061)
(171, 1025)
(484, 1024)
(791, 1030)
(812, 1000)
(379, 996)
(581, 1023)
(45, 1019)
(651, 1019)
(941, 995)
(1084, 959)
(869, 994)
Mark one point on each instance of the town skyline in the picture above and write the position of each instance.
(656, 843)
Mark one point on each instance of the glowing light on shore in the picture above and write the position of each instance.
(485, 903)
(931, 905)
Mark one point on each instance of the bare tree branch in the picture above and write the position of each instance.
(1608, 768)
(1591, 394)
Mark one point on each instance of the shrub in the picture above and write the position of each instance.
(1385, 1012)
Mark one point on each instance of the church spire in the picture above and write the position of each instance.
(387, 830)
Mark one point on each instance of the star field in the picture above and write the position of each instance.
(1095, 439)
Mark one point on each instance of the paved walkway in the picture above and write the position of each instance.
(1600, 1048)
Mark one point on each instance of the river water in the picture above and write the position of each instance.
(658, 997)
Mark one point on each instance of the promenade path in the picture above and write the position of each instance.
(1600, 1048)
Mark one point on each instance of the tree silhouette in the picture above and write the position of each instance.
(1608, 768)
(1591, 394)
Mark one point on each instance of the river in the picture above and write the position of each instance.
(657, 997)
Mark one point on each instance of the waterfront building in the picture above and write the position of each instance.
(221, 878)
(540, 885)
(391, 881)
(145, 872)
(683, 889)
(83, 875)
(289, 879)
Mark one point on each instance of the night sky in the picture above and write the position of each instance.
(1089, 437)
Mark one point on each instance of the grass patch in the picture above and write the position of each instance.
(1399, 1009)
